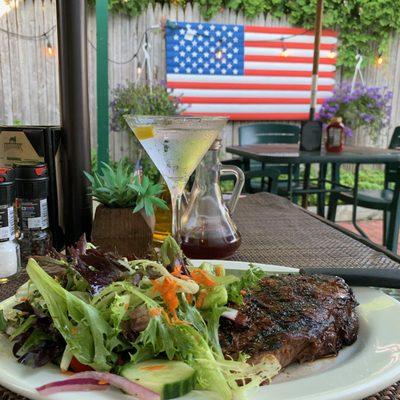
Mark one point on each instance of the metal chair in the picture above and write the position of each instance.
(387, 199)
(271, 133)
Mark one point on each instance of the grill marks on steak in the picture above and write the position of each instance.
(294, 317)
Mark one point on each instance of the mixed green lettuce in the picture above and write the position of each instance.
(146, 309)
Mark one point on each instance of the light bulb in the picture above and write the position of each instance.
(5, 7)
(49, 49)
(218, 54)
(379, 60)
(284, 52)
(332, 54)
(139, 69)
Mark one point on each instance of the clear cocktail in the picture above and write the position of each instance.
(176, 145)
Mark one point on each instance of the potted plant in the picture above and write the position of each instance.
(124, 220)
(364, 106)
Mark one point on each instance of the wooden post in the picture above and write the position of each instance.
(75, 126)
(317, 41)
(102, 81)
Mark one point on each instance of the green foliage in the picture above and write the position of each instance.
(117, 187)
(140, 100)
(365, 25)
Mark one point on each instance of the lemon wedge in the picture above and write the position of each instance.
(144, 132)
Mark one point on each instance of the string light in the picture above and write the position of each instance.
(332, 53)
(218, 54)
(139, 69)
(7, 5)
(284, 52)
(379, 60)
(49, 49)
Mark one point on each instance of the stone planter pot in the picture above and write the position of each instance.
(122, 231)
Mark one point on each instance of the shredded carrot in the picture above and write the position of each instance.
(202, 278)
(168, 289)
(66, 372)
(189, 297)
(201, 298)
(219, 270)
(177, 272)
(154, 312)
(243, 292)
(153, 367)
(74, 331)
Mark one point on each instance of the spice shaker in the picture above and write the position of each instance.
(33, 220)
(10, 260)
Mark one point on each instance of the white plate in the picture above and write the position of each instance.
(366, 367)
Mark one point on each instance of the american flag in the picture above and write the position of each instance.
(247, 72)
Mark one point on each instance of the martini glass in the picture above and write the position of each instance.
(176, 146)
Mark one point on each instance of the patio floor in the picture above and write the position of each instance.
(373, 228)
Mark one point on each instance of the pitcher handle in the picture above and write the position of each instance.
(237, 190)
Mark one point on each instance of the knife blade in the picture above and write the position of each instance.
(378, 277)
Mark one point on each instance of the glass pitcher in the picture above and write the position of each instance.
(208, 231)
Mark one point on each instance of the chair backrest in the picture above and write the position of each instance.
(268, 133)
(392, 170)
(395, 140)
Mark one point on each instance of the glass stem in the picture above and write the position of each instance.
(176, 191)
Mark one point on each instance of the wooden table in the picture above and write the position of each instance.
(290, 154)
(275, 231)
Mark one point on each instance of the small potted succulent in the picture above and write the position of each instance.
(124, 220)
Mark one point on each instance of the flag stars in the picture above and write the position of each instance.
(230, 34)
(200, 70)
(176, 48)
(188, 70)
(236, 28)
(182, 31)
(176, 70)
(200, 27)
(223, 70)
(182, 64)
(176, 59)
(182, 53)
(224, 28)
(235, 71)
(176, 37)
(212, 27)
(212, 71)
(218, 33)
(235, 50)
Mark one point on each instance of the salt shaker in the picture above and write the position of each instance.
(10, 260)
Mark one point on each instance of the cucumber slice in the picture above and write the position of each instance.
(169, 378)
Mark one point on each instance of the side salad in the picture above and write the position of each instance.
(148, 327)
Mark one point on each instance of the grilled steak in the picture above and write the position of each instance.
(294, 317)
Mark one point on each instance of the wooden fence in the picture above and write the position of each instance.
(29, 92)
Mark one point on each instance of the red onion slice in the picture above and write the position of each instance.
(71, 385)
(132, 388)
